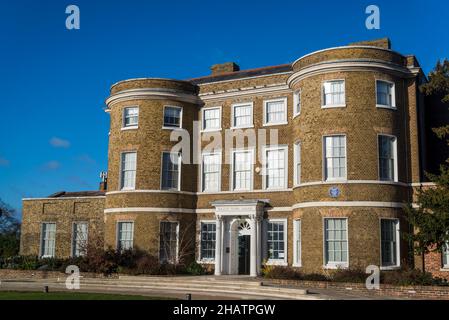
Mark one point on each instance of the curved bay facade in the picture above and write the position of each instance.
(329, 193)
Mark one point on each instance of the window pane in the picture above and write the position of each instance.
(48, 239)
(211, 118)
(168, 242)
(335, 157)
(334, 93)
(384, 93)
(275, 111)
(79, 239)
(125, 235)
(386, 157)
(389, 242)
(275, 168)
(172, 117)
(275, 240)
(131, 116)
(208, 241)
(243, 115)
(242, 174)
(336, 243)
(170, 170)
(128, 174)
(211, 172)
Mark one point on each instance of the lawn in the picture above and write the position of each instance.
(28, 295)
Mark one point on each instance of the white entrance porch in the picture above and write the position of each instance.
(237, 222)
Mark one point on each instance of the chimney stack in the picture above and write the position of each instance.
(222, 68)
(104, 181)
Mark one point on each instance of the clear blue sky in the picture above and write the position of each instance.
(54, 133)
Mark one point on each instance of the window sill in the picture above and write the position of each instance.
(336, 266)
(295, 265)
(127, 189)
(383, 106)
(275, 189)
(390, 268)
(205, 261)
(210, 191)
(130, 128)
(296, 115)
(171, 128)
(445, 269)
(277, 263)
(236, 128)
(333, 106)
(275, 124)
(336, 180)
(210, 130)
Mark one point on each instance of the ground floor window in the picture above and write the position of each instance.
(208, 234)
(125, 235)
(168, 244)
(79, 241)
(446, 255)
(48, 240)
(297, 243)
(276, 241)
(389, 232)
(336, 242)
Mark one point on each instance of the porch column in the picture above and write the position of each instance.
(218, 245)
(253, 247)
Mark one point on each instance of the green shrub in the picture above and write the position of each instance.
(411, 277)
(354, 274)
(195, 269)
(280, 272)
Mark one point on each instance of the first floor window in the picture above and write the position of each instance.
(334, 93)
(211, 118)
(297, 103)
(387, 158)
(385, 94)
(168, 244)
(276, 167)
(276, 240)
(243, 115)
(335, 157)
(172, 117)
(297, 242)
(125, 235)
(242, 170)
(79, 245)
(275, 111)
(128, 170)
(208, 234)
(130, 117)
(170, 170)
(211, 172)
(336, 242)
(297, 163)
(446, 255)
(48, 240)
(389, 232)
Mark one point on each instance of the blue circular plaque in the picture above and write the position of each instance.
(334, 192)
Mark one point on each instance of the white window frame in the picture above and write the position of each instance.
(265, 164)
(41, 246)
(398, 244)
(178, 188)
(121, 176)
(393, 95)
(297, 243)
(341, 105)
(200, 258)
(278, 262)
(202, 171)
(231, 178)
(233, 106)
(74, 233)
(297, 100)
(130, 127)
(265, 115)
(395, 154)
(203, 110)
(180, 118)
(325, 178)
(117, 232)
(335, 264)
(445, 252)
(177, 242)
(297, 163)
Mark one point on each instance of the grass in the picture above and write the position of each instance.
(28, 295)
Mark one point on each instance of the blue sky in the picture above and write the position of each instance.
(54, 132)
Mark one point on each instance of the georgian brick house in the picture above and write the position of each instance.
(329, 194)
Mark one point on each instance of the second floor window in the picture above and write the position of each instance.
(276, 167)
(128, 170)
(242, 164)
(242, 115)
(387, 158)
(297, 163)
(211, 172)
(385, 94)
(172, 117)
(335, 157)
(297, 103)
(130, 117)
(334, 93)
(275, 111)
(171, 163)
(212, 119)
